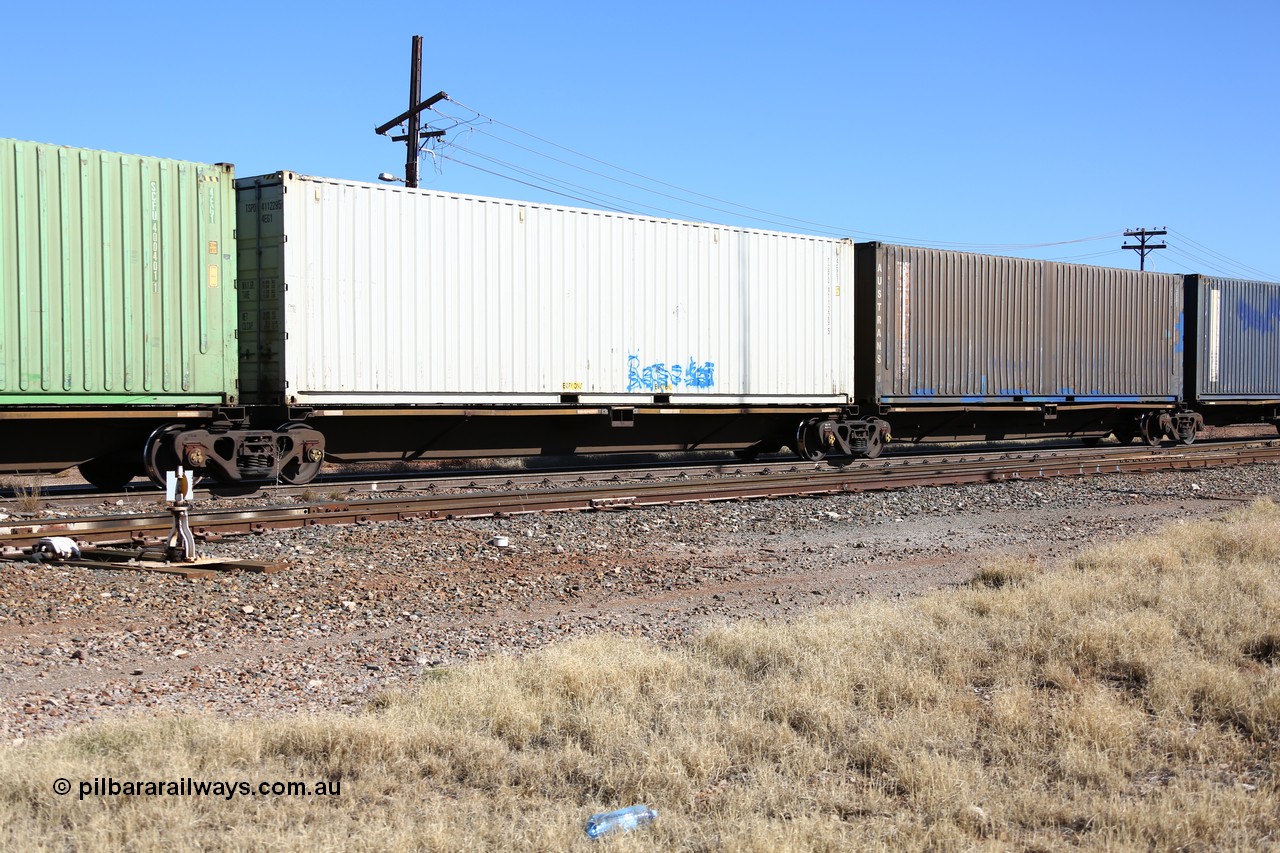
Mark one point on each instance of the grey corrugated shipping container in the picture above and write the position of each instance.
(358, 294)
(117, 276)
(953, 327)
(1237, 339)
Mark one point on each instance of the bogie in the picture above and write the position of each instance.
(293, 453)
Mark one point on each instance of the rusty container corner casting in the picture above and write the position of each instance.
(118, 277)
(1235, 331)
(941, 326)
(356, 294)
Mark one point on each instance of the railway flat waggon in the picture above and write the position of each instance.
(413, 324)
(955, 345)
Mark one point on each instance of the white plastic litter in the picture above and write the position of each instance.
(60, 546)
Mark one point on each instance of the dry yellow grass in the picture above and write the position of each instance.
(1129, 700)
(28, 493)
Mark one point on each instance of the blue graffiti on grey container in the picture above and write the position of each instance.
(1259, 318)
(665, 377)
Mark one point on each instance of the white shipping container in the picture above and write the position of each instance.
(394, 295)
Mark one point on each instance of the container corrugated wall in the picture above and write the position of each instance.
(1237, 339)
(396, 295)
(1119, 334)
(118, 275)
(961, 327)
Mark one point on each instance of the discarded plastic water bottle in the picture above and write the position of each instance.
(621, 820)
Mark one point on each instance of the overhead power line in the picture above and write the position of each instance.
(1248, 271)
(1086, 256)
(766, 217)
(529, 184)
(585, 189)
(683, 198)
(1200, 263)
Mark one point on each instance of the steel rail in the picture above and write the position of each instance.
(144, 493)
(882, 474)
(464, 479)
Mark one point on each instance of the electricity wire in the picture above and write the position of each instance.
(1203, 263)
(1252, 271)
(772, 218)
(545, 177)
(570, 190)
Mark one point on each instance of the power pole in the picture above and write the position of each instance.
(415, 95)
(413, 138)
(1142, 247)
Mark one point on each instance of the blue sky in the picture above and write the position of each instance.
(998, 125)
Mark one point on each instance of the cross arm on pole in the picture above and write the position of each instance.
(381, 130)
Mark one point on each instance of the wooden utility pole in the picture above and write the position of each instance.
(415, 135)
(1142, 247)
(415, 95)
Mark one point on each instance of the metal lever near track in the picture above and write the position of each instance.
(180, 547)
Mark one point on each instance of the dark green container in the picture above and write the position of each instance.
(118, 276)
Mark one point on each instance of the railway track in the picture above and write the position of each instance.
(505, 495)
(347, 486)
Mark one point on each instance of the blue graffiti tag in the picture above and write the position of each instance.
(700, 377)
(1259, 319)
(667, 377)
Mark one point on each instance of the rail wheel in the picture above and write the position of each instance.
(159, 455)
(299, 470)
(108, 473)
(808, 443)
(875, 443)
(1149, 429)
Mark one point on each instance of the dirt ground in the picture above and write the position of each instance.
(364, 609)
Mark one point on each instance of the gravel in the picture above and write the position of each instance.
(359, 610)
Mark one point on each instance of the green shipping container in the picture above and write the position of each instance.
(118, 276)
